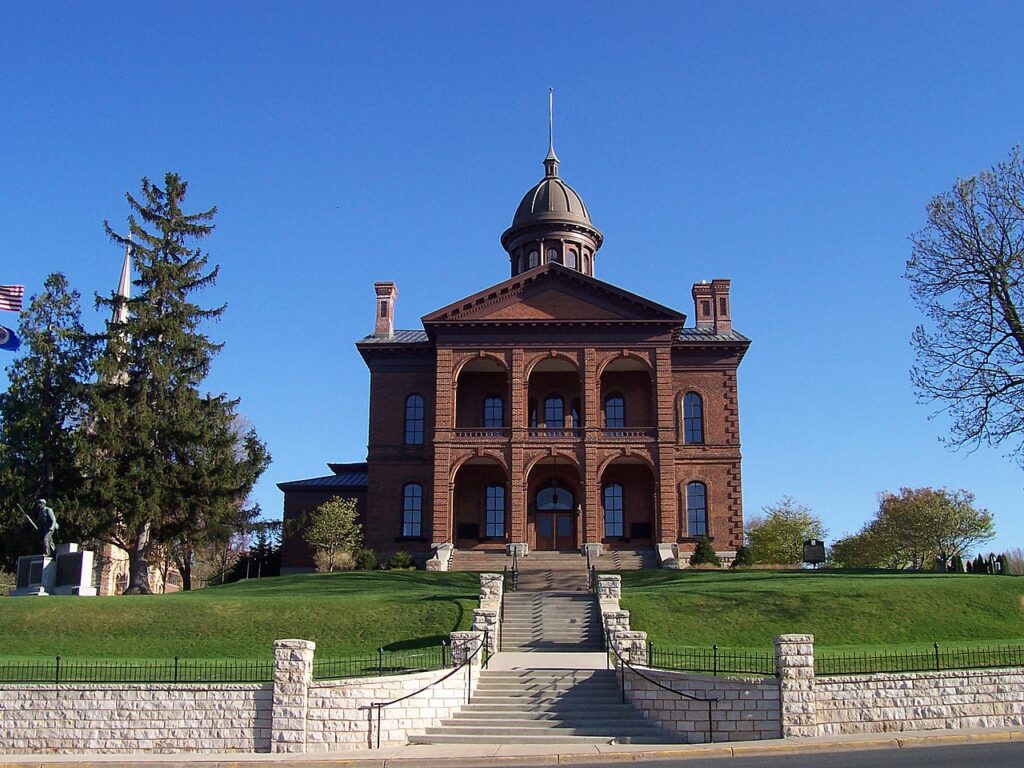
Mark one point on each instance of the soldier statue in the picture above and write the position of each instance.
(46, 524)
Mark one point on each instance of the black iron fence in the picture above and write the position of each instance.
(711, 661)
(383, 663)
(937, 659)
(176, 670)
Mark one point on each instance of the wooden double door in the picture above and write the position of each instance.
(554, 518)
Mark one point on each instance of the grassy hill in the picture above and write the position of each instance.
(344, 613)
(844, 610)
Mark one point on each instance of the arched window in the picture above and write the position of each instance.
(693, 418)
(554, 497)
(414, 418)
(519, 263)
(615, 412)
(554, 412)
(412, 510)
(587, 265)
(612, 502)
(494, 412)
(495, 502)
(696, 510)
(534, 259)
(554, 257)
(571, 260)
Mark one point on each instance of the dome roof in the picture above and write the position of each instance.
(551, 200)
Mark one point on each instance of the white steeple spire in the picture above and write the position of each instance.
(124, 286)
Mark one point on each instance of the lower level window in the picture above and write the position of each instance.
(495, 527)
(612, 498)
(412, 510)
(696, 509)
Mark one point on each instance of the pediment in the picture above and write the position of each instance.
(554, 293)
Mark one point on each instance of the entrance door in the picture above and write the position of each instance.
(555, 518)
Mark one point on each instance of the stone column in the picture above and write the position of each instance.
(794, 660)
(609, 586)
(491, 586)
(632, 645)
(293, 672)
(485, 621)
(463, 646)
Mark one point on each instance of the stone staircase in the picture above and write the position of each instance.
(550, 621)
(479, 560)
(546, 706)
(627, 560)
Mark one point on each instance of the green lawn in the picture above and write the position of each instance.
(844, 610)
(344, 613)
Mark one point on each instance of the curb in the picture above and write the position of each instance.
(695, 751)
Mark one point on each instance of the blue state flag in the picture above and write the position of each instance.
(9, 339)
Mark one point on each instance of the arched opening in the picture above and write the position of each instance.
(481, 396)
(627, 504)
(554, 515)
(553, 403)
(480, 505)
(627, 396)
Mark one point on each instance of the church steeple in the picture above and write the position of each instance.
(124, 286)
(552, 224)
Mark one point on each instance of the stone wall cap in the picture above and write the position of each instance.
(294, 643)
(794, 638)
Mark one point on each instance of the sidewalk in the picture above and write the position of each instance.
(474, 756)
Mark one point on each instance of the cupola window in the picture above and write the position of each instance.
(534, 257)
(571, 260)
(553, 257)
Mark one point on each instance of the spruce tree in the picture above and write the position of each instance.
(163, 459)
(41, 415)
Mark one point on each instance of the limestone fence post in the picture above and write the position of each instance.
(486, 622)
(463, 646)
(293, 673)
(492, 588)
(794, 661)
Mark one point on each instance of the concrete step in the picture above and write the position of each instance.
(560, 738)
(543, 729)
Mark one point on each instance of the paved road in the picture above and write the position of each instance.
(999, 755)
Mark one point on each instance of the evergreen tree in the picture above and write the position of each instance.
(41, 415)
(744, 558)
(704, 553)
(163, 459)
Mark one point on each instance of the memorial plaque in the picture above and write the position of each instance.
(24, 572)
(814, 552)
(69, 569)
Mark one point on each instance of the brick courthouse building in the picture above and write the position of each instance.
(552, 411)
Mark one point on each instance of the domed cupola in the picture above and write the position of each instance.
(552, 224)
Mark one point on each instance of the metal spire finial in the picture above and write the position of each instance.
(124, 286)
(551, 161)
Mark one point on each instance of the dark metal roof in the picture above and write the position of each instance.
(709, 334)
(352, 481)
(399, 337)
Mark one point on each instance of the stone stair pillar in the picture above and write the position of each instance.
(293, 673)
(794, 662)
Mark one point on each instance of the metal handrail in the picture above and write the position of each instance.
(379, 705)
(626, 665)
(515, 570)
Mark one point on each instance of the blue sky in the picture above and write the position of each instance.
(789, 146)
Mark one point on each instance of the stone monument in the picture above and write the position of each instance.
(62, 569)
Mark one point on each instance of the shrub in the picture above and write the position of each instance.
(744, 558)
(366, 560)
(956, 565)
(1004, 564)
(401, 560)
(704, 554)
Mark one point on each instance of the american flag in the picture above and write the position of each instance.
(11, 296)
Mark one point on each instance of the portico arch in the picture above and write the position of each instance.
(554, 494)
(628, 507)
(480, 504)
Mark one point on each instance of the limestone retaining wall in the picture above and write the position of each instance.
(920, 701)
(135, 718)
(339, 713)
(748, 708)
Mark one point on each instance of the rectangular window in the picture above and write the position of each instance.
(696, 509)
(495, 528)
(412, 511)
(414, 419)
(612, 498)
(494, 413)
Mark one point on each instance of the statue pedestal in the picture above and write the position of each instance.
(37, 575)
(68, 573)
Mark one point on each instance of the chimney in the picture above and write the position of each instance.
(386, 292)
(703, 305)
(720, 294)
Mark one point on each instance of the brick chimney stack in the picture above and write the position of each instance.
(723, 315)
(703, 305)
(386, 292)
